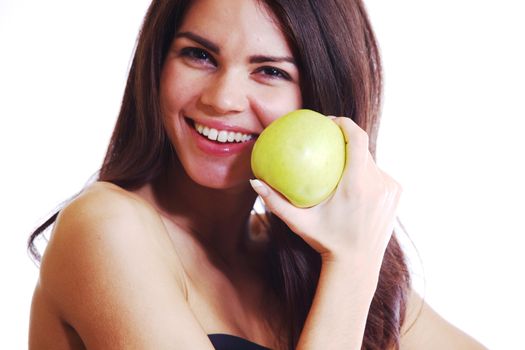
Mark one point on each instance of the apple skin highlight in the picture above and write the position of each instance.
(301, 155)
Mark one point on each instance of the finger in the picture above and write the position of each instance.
(278, 204)
(357, 146)
(357, 140)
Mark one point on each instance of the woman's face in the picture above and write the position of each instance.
(229, 73)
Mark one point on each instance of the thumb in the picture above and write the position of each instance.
(277, 203)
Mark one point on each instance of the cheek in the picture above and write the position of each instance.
(178, 87)
(270, 106)
(174, 95)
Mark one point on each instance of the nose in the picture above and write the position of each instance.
(225, 93)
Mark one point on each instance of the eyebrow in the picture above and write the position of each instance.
(263, 59)
(216, 50)
(200, 40)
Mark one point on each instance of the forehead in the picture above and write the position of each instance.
(236, 22)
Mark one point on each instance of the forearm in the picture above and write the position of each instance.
(340, 308)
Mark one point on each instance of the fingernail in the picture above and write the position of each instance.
(259, 187)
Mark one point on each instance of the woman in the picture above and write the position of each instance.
(163, 252)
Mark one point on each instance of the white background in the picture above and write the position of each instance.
(451, 135)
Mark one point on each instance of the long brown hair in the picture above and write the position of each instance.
(340, 73)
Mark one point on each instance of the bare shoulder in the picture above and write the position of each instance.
(424, 328)
(110, 274)
(106, 222)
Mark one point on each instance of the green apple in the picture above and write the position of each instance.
(301, 155)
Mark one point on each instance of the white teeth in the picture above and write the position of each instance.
(213, 134)
(222, 135)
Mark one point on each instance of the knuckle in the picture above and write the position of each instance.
(398, 187)
(352, 129)
(360, 137)
(395, 186)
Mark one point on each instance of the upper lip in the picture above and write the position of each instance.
(220, 125)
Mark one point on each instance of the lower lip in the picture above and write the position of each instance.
(219, 149)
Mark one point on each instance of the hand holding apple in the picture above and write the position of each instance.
(355, 223)
(301, 155)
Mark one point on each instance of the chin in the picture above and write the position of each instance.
(220, 180)
(219, 173)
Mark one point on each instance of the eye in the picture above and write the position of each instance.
(273, 73)
(197, 55)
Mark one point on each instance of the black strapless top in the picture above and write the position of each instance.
(233, 342)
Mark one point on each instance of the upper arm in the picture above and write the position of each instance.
(110, 278)
(426, 329)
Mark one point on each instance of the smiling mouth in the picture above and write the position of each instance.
(221, 136)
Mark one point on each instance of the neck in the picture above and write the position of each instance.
(218, 219)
